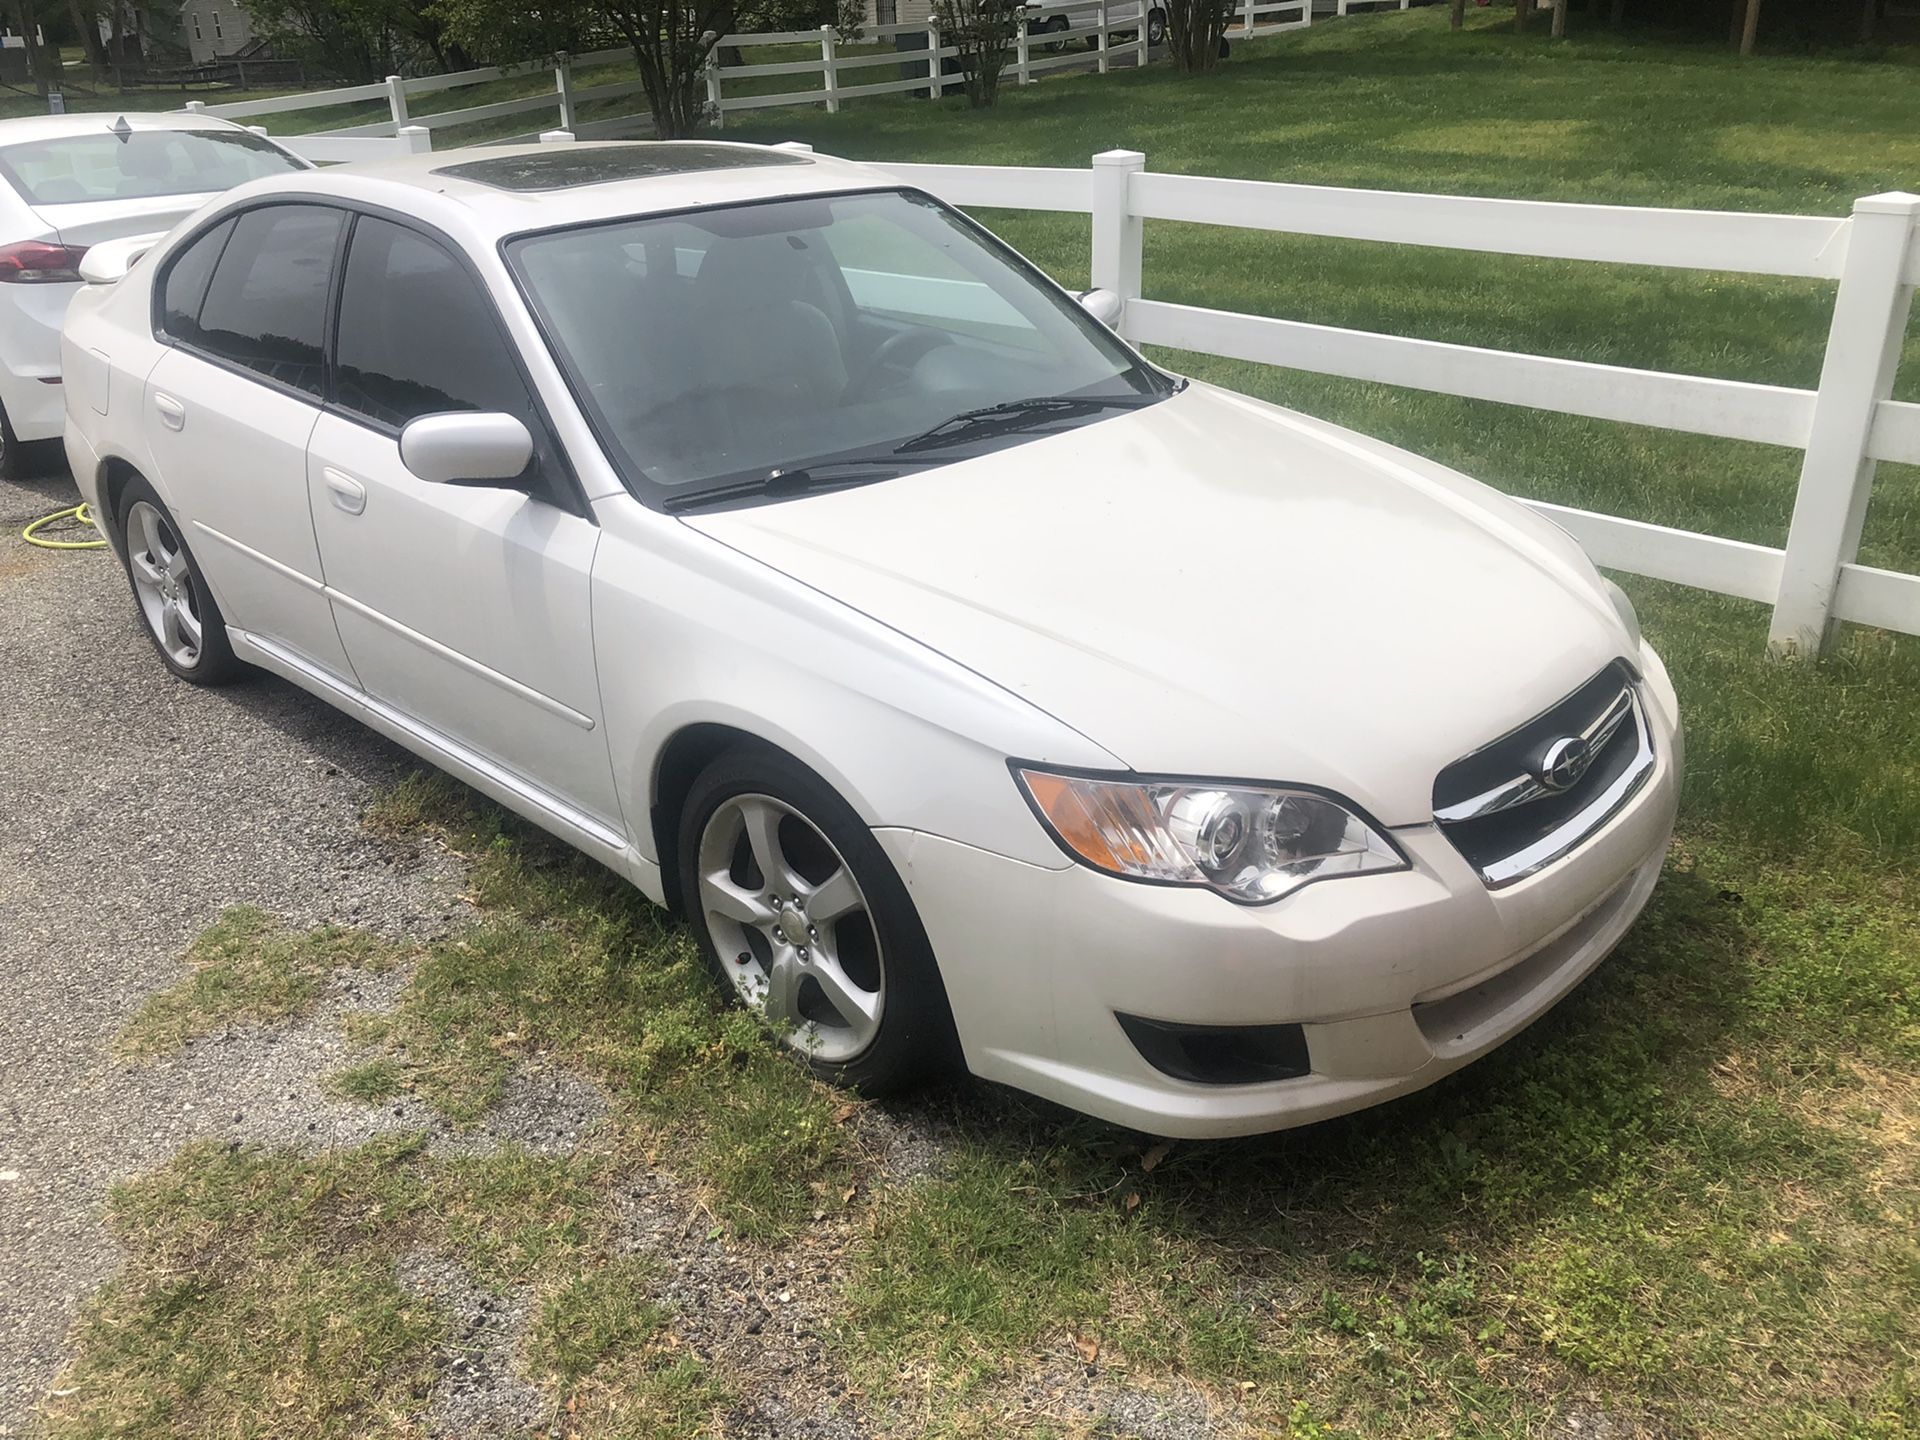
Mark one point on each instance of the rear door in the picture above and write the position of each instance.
(466, 608)
(230, 408)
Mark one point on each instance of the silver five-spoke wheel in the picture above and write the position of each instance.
(792, 926)
(164, 584)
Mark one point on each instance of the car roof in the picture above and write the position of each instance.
(498, 190)
(26, 129)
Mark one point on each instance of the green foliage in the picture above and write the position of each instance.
(984, 32)
(247, 968)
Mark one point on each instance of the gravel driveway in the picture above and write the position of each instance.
(135, 808)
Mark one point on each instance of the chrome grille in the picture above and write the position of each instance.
(1531, 797)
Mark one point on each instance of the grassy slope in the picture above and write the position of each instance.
(1685, 1203)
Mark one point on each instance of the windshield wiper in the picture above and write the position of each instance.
(1011, 416)
(783, 484)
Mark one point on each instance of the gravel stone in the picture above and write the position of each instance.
(479, 1393)
(136, 808)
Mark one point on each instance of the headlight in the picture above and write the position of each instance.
(1250, 843)
(1623, 607)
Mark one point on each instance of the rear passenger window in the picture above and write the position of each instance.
(186, 285)
(417, 335)
(266, 308)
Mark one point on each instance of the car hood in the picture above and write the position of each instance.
(1214, 586)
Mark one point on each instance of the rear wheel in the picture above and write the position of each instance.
(1156, 27)
(176, 607)
(801, 915)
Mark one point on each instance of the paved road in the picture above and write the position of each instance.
(132, 809)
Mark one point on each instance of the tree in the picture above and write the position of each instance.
(984, 33)
(1197, 33)
(359, 39)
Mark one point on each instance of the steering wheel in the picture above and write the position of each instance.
(895, 358)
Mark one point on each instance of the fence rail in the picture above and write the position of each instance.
(1843, 426)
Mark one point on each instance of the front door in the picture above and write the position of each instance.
(466, 608)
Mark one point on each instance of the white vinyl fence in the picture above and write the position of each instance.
(1844, 427)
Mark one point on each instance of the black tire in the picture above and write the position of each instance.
(1156, 28)
(12, 454)
(213, 662)
(915, 1040)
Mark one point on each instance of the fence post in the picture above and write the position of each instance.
(713, 88)
(557, 137)
(1101, 39)
(1863, 350)
(1246, 22)
(1020, 55)
(936, 67)
(829, 58)
(397, 100)
(563, 87)
(195, 105)
(1117, 231)
(418, 139)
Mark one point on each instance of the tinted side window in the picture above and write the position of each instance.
(187, 281)
(266, 308)
(417, 335)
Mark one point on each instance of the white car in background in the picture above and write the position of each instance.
(68, 182)
(775, 535)
(1044, 23)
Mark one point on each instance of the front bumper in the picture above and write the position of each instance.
(1397, 979)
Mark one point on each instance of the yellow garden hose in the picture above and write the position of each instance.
(79, 519)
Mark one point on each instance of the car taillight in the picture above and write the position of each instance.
(36, 262)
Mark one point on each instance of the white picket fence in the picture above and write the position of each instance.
(1844, 427)
(1100, 33)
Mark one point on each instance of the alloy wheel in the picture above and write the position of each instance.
(792, 926)
(164, 584)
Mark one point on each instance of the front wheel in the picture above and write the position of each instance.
(1156, 27)
(799, 913)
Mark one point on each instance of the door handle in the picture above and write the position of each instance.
(173, 414)
(348, 494)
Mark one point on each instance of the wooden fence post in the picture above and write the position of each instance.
(397, 100)
(1863, 351)
(1021, 55)
(563, 87)
(830, 78)
(936, 67)
(1117, 231)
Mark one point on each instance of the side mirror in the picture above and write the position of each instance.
(468, 448)
(109, 261)
(1102, 305)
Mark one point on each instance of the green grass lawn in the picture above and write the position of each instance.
(1686, 1203)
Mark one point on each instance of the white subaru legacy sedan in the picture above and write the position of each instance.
(981, 692)
(68, 182)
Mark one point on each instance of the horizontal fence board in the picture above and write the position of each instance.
(378, 127)
(1896, 432)
(1886, 598)
(1689, 239)
(1731, 409)
(494, 111)
(874, 87)
(618, 55)
(1707, 562)
(343, 150)
(611, 91)
(729, 104)
(616, 126)
(427, 84)
(313, 100)
(1017, 187)
(890, 57)
(774, 67)
(772, 37)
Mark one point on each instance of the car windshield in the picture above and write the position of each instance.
(137, 164)
(732, 351)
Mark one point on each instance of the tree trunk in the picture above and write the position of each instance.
(88, 24)
(1750, 28)
(1522, 12)
(1459, 14)
(1869, 20)
(1619, 12)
